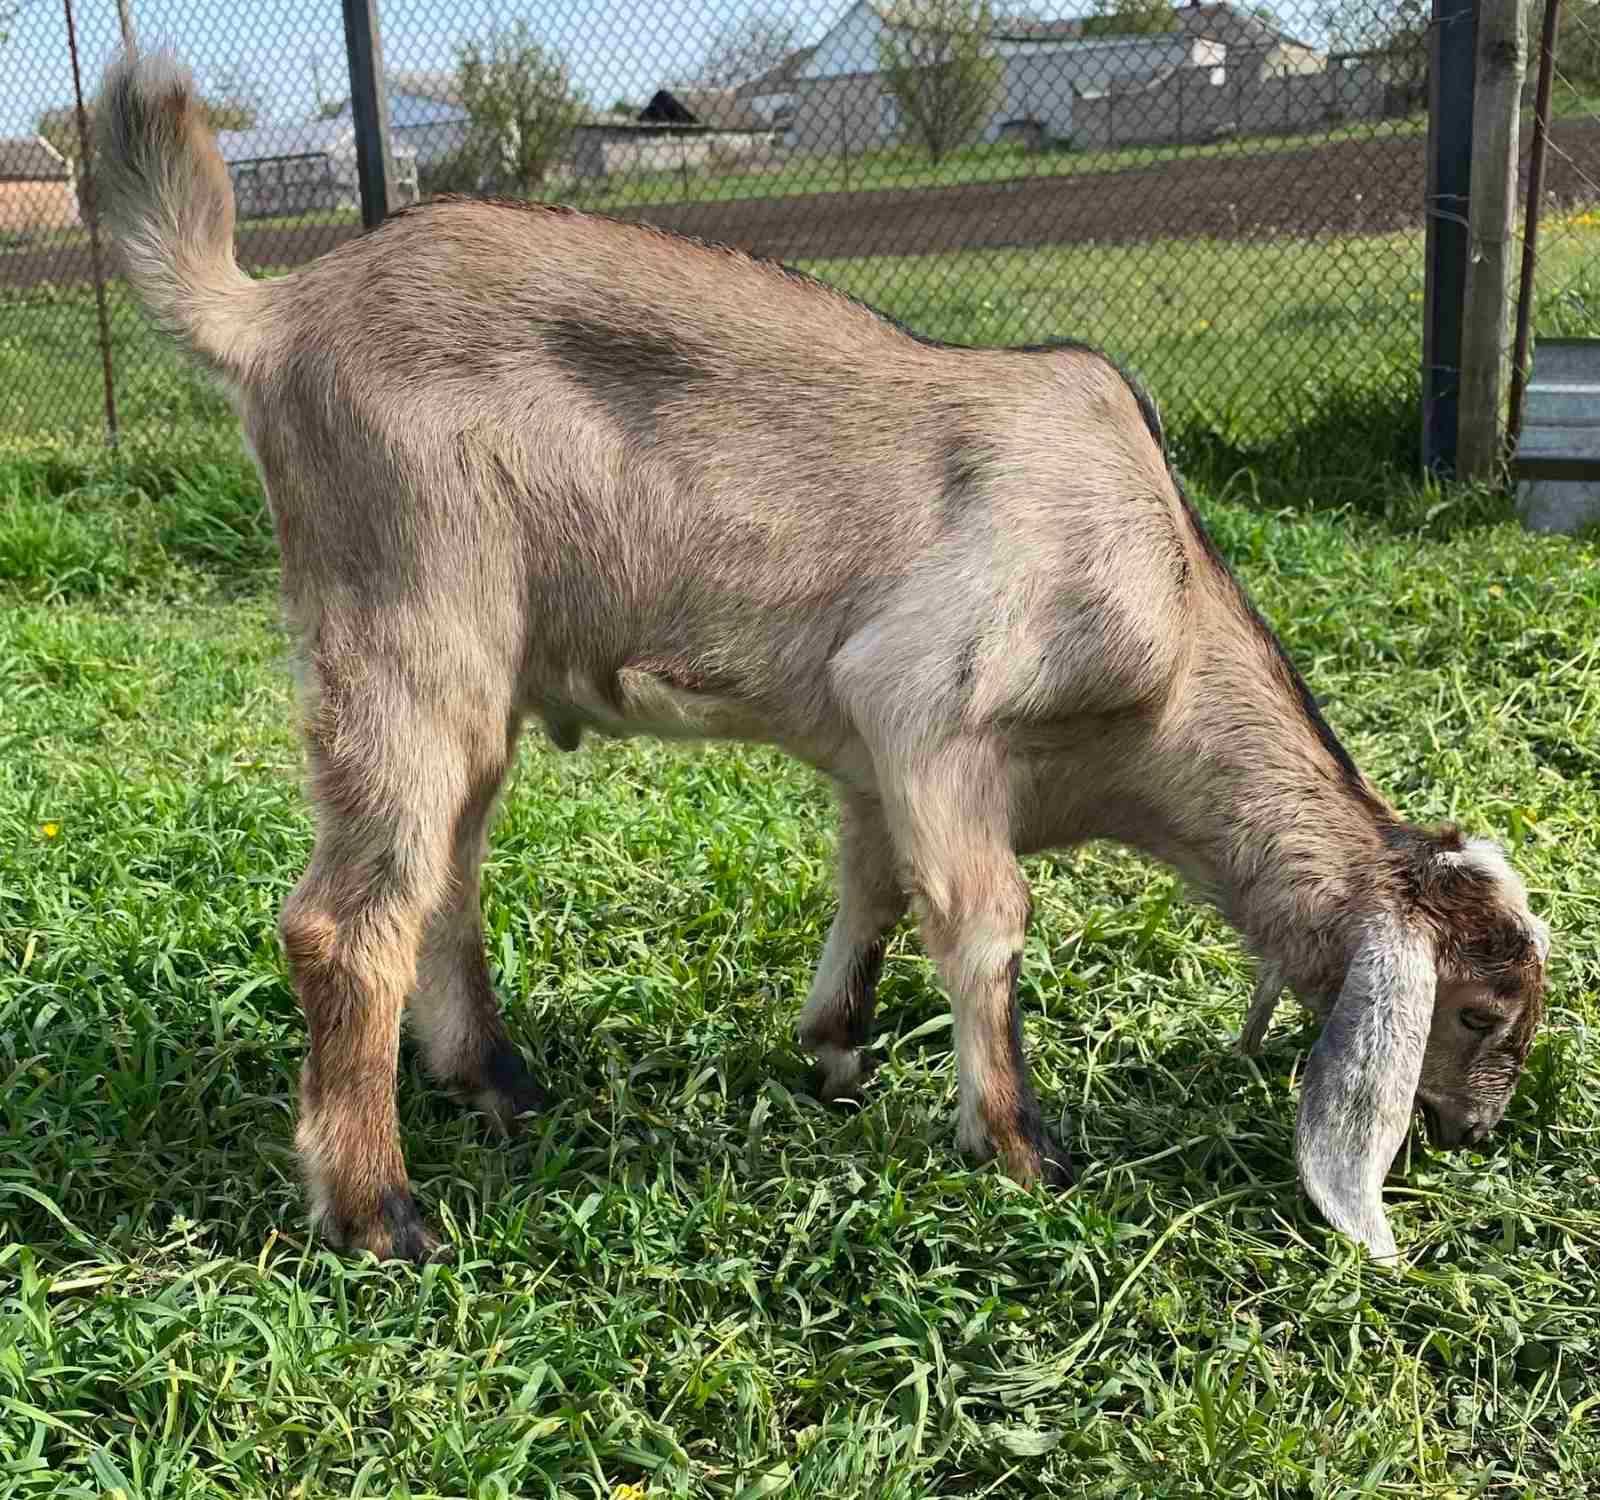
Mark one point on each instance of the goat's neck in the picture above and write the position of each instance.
(1284, 835)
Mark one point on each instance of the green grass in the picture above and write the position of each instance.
(907, 166)
(691, 1279)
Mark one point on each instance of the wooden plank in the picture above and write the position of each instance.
(1491, 210)
(1562, 406)
(1566, 362)
(1560, 442)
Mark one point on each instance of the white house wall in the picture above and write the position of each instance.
(837, 104)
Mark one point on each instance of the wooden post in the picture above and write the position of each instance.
(1450, 84)
(369, 109)
(1491, 216)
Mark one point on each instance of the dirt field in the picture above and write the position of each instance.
(1345, 188)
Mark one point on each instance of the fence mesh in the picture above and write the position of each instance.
(1568, 304)
(1227, 197)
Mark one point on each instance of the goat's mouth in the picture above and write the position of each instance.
(1452, 1134)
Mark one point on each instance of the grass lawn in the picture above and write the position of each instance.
(690, 1279)
(908, 166)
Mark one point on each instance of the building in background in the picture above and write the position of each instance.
(290, 170)
(38, 190)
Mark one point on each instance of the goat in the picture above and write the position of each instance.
(525, 462)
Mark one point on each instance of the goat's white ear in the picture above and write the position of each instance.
(1360, 1085)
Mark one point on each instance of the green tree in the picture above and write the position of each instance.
(938, 61)
(1130, 18)
(520, 100)
(747, 48)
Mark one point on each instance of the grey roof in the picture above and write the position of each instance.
(716, 109)
(1232, 27)
(309, 138)
(778, 78)
(31, 158)
(264, 142)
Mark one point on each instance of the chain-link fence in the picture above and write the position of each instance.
(1228, 197)
(1568, 301)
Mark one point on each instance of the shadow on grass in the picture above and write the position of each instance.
(1351, 450)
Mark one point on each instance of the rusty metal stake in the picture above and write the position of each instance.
(1530, 227)
(94, 231)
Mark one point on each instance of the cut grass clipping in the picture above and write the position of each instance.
(690, 1279)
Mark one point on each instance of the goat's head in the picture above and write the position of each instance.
(1440, 1000)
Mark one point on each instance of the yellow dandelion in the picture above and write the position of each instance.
(49, 830)
(628, 1492)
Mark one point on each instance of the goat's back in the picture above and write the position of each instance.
(620, 445)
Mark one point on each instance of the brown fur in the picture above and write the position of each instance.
(534, 462)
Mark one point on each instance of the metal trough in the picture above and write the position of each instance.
(1557, 462)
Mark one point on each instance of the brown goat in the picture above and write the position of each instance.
(523, 461)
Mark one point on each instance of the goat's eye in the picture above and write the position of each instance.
(1479, 1020)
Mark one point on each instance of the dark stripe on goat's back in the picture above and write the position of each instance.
(630, 373)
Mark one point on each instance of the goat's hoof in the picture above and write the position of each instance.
(1041, 1163)
(509, 1090)
(841, 1074)
(396, 1231)
(1056, 1171)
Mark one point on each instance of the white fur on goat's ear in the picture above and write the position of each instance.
(1360, 1084)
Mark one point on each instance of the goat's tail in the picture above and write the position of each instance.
(164, 190)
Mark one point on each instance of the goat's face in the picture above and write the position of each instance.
(1490, 996)
(1490, 993)
(1437, 1007)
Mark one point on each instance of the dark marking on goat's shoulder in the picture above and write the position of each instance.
(964, 469)
(630, 373)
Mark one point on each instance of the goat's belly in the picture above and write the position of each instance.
(641, 701)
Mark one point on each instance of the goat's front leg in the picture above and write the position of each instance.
(836, 1024)
(973, 905)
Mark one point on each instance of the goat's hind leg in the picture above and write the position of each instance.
(393, 772)
(836, 1024)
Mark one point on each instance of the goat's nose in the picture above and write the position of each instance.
(1476, 1130)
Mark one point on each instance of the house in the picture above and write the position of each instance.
(679, 129)
(1255, 47)
(706, 109)
(772, 93)
(840, 103)
(426, 115)
(305, 168)
(38, 192)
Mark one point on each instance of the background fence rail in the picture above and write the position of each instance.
(1231, 199)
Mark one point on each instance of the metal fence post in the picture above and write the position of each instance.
(1452, 65)
(369, 107)
(92, 212)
